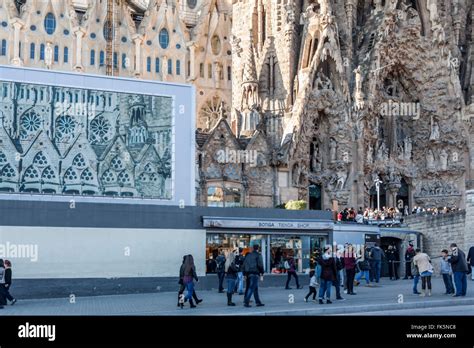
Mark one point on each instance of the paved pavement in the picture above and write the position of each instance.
(388, 297)
(467, 310)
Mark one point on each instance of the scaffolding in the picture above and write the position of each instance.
(111, 53)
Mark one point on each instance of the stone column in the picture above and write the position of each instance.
(192, 58)
(79, 35)
(17, 26)
(391, 192)
(138, 55)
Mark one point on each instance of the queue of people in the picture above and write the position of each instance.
(342, 269)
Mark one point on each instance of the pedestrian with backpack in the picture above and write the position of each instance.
(231, 276)
(290, 267)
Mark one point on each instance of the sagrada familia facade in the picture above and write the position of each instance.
(296, 99)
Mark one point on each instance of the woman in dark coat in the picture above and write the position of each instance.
(182, 287)
(189, 275)
(8, 282)
(3, 299)
(328, 275)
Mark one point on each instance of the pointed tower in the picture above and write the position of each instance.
(250, 103)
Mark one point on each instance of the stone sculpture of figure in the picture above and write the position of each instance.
(48, 55)
(295, 175)
(434, 130)
(370, 154)
(341, 177)
(378, 5)
(429, 159)
(316, 161)
(407, 148)
(382, 153)
(443, 160)
(332, 150)
(358, 95)
(392, 5)
(290, 15)
(325, 7)
(433, 9)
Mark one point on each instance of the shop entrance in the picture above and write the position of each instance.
(385, 242)
(275, 249)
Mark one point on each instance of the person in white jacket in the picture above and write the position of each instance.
(313, 284)
(425, 268)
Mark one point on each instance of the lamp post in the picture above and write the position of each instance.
(377, 188)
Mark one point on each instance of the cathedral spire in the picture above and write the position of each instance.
(250, 69)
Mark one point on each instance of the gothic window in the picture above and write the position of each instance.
(30, 174)
(178, 67)
(32, 51)
(8, 172)
(143, 177)
(124, 178)
(108, 177)
(149, 168)
(66, 55)
(40, 160)
(70, 175)
(216, 45)
(65, 126)
(56, 54)
(100, 130)
(3, 158)
(210, 111)
(42, 52)
(157, 65)
(192, 4)
(50, 23)
(164, 38)
(170, 66)
(87, 175)
(92, 60)
(79, 161)
(117, 164)
(30, 123)
(101, 58)
(108, 31)
(48, 174)
(3, 51)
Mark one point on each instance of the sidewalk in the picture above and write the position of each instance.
(389, 295)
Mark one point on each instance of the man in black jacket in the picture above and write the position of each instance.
(459, 266)
(470, 259)
(253, 268)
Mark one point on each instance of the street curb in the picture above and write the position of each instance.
(365, 308)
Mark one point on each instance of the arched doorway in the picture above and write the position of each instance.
(385, 242)
(315, 198)
(403, 196)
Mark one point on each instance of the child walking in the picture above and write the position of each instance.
(446, 272)
(313, 284)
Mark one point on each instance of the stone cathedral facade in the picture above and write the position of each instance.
(296, 99)
(336, 95)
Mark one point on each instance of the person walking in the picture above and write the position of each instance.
(182, 287)
(291, 271)
(363, 264)
(189, 275)
(220, 261)
(8, 282)
(446, 272)
(239, 262)
(253, 268)
(3, 299)
(416, 278)
(393, 259)
(328, 275)
(349, 262)
(231, 271)
(313, 284)
(376, 255)
(470, 259)
(409, 255)
(460, 269)
(425, 268)
(339, 270)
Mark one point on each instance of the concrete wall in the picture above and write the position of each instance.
(66, 252)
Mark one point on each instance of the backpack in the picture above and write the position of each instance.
(220, 264)
(286, 265)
